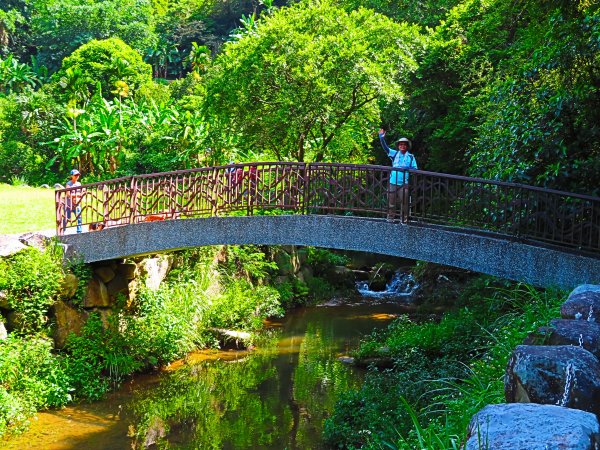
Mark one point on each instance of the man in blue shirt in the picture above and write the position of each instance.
(398, 188)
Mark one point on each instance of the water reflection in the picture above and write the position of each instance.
(275, 397)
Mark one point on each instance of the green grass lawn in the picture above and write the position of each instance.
(24, 208)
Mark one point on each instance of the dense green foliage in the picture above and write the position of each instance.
(444, 370)
(161, 326)
(505, 91)
(31, 374)
(32, 378)
(31, 280)
(304, 82)
(489, 88)
(166, 324)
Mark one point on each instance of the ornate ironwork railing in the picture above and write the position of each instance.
(522, 212)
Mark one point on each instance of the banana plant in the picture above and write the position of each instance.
(15, 77)
(199, 59)
(161, 57)
(74, 143)
(75, 85)
(190, 136)
(95, 138)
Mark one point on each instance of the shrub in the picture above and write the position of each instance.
(26, 121)
(100, 356)
(32, 280)
(31, 378)
(321, 259)
(248, 261)
(107, 62)
(170, 321)
(293, 292)
(319, 289)
(243, 306)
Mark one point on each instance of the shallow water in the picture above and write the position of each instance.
(273, 397)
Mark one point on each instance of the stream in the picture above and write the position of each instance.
(275, 396)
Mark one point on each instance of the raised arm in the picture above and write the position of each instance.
(383, 143)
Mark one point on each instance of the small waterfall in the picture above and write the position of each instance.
(401, 285)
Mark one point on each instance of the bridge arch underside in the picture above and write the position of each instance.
(491, 255)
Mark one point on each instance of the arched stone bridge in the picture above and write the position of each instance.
(542, 237)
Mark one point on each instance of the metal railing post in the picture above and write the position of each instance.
(307, 173)
(519, 213)
(133, 203)
(60, 212)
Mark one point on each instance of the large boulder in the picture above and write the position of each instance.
(361, 275)
(36, 240)
(580, 333)
(127, 270)
(307, 274)
(532, 427)
(118, 285)
(285, 264)
(14, 321)
(97, 295)
(156, 269)
(9, 245)
(340, 276)
(68, 320)
(582, 303)
(4, 300)
(3, 332)
(69, 285)
(378, 280)
(562, 375)
(104, 273)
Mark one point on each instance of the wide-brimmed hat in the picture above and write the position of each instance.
(404, 140)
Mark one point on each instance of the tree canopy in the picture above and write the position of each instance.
(304, 83)
(104, 63)
(492, 88)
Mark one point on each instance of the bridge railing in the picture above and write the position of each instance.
(523, 212)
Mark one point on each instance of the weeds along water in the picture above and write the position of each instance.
(444, 369)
